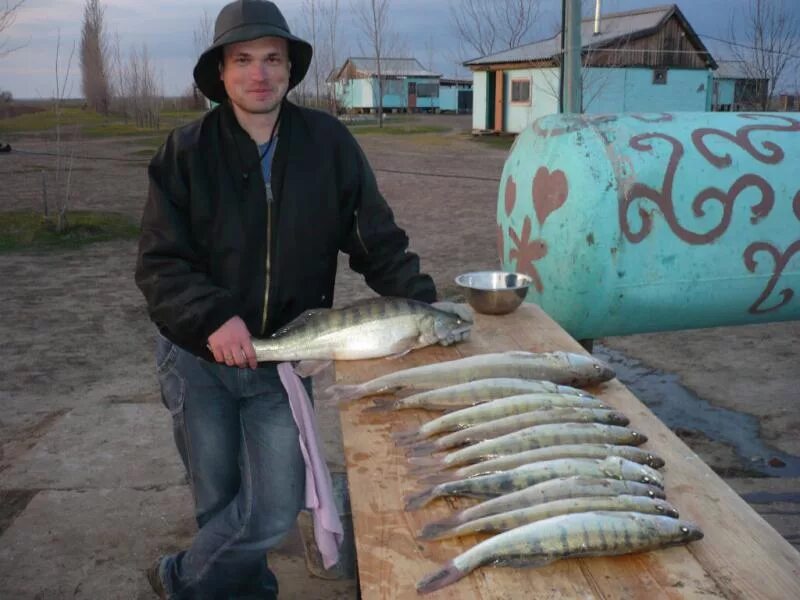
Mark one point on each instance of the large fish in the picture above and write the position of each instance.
(564, 368)
(497, 427)
(472, 393)
(522, 516)
(596, 533)
(368, 329)
(537, 436)
(494, 409)
(497, 484)
(547, 491)
(511, 461)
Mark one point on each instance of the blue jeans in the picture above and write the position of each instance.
(238, 440)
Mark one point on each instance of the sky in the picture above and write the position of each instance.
(167, 28)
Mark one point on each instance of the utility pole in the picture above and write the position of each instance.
(570, 89)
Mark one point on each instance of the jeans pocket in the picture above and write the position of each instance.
(173, 385)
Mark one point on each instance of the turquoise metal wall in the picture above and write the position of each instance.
(646, 222)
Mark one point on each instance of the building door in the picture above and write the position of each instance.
(490, 75)
(412, 96)
(499, 100)
(464, 101)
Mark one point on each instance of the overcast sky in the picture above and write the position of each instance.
(166, 27)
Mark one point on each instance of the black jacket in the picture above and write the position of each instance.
(206, 228)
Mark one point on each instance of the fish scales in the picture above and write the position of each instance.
(496, 484)
(510, 461)
(595, 533)
(538, 436)
(548, 491)
(558, 367)
(517, 421)
(522, 516)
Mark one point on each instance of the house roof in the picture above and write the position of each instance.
(455, 81)
(732, 69)
(614, 27)
(390, 67)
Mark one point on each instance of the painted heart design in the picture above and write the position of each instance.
(549, 192)
(510, 195)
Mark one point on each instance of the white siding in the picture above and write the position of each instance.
(544, 97)
(479, 100)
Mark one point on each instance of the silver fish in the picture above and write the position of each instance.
(563, 368)
(547, 491)
(497, 427)
(522, 516)
(510, 461)
(597, 533)
(496, 409)
(536, 437)
(472, 393)
(496, 484)
(368, 329)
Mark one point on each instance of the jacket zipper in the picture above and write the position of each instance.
(267, 265)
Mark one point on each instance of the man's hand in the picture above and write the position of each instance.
(232, 346)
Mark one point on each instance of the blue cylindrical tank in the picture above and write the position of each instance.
(645, 222)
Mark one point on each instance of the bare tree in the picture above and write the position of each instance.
(329, 13)
(372, 18)
(771, 39)
(8, 15)
(487, 27)
(94, 58)
(202, 37)
(63, 175)
(142, 90)
(311, 10)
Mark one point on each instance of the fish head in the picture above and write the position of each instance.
(651, 460)
(451, 322)
(665, 508)
(603, 372)
(688, 532)
(585, 366)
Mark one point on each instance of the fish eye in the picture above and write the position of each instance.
(645, 479)
(651, 493)
(684, 530)
(659, 508)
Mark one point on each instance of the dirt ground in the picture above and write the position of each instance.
(91, 488)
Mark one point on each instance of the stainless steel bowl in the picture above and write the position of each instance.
(494, 292)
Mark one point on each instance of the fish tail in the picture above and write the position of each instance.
(450, 573)
(382, 405)
(421, 449)
(418, 500)
(425, 463)
(339, 394)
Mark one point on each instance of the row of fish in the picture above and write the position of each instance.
(558, 471)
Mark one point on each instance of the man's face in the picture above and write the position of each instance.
(256, 73)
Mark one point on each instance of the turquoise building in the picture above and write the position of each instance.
(407, 85)
(643, 60)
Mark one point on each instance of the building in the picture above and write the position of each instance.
(735, 90)
(407, 85)
(455, 95)
(647, 60)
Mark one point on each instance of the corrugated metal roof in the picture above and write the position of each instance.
(612, 27)
(391, 67)
(731, 69)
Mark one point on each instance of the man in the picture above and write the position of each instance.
(248, 208)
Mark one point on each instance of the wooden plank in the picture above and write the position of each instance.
(740, 557)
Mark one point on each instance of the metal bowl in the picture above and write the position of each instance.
(494, 292)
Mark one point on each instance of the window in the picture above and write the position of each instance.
(659, 76)
(427, 90)
(521, 91)
(392, 87)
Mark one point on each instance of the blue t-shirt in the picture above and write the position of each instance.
(266, 163)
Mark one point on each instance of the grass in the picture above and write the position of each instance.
(398, 129)
(504, 142)
(26, 230)
(90, 123)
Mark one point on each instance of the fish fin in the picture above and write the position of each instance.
(421, 449)
(436, 478)
(438, 530)
(426, 461)
(382, 405)
(307, 368)
(339, 394)
(450, 573)
(420, 499)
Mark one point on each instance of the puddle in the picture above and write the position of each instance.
(678, 408)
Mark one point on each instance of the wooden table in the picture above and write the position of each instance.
(741, 556)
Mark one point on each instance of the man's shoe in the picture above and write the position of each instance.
(154, 577)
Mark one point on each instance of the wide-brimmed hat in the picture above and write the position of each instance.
(242, 21)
